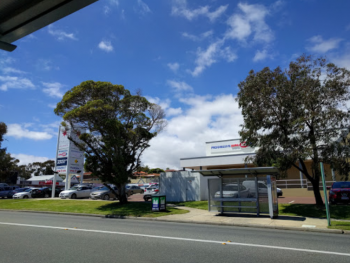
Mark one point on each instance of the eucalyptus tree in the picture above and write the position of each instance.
(117, 125)
(298, 115)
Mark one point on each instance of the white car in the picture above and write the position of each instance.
(79, 191)
(231, 191)
(26, 194)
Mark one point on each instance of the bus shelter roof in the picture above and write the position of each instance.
(240, 171)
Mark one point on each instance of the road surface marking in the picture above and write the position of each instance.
(310, 226)
(291, 202)
(183, 239)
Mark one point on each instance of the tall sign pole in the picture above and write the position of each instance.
(325, 194)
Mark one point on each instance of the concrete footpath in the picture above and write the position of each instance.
(200, 216)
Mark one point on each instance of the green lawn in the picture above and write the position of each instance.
(141, 209)
(336, 211)
(340, 225)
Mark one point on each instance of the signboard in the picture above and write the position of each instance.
(69, 159)
(61, 161)
(228, 147)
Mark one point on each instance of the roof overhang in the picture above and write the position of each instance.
(240, 171)
(20, 18)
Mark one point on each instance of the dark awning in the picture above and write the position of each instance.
(240, 171)
(19, 18)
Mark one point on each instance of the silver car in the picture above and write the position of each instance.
(79, 191)
(104, 193)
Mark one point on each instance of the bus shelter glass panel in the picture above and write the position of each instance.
(248, 195)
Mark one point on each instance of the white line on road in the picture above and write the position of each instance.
(183, 239)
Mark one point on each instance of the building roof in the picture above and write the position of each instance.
(240, 171)
(19, 18)
(45, 177)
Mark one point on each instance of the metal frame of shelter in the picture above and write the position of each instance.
(234, 173)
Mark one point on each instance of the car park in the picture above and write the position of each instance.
(46, 192)
(78, 191)
(28, 193)
(150, 191)
(134, 189)
(104, 193)
(231, 191)
(339, 193)
(4, 190)
(15, 191)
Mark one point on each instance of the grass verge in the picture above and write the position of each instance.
(336, 211)
(141, 209)
(306, 210)
(343, 225)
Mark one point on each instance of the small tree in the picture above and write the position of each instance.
(8, 164)
(297, 115)
(119, 127)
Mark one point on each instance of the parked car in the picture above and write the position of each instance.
(150, 191)
(339, 193)
(15, 191)
(28, 193)
(78, 191)
(4, 190)
(46, 192)
(103, 192)
(279, 192)
(134, 189)
(144, 186)
(231, 190)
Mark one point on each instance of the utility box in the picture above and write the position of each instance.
(158, 203)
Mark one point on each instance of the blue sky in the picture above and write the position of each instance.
(187, 56)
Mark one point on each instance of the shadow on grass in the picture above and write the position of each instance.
(136, 209)
(308, 210)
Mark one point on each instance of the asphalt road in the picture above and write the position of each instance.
(34, 237)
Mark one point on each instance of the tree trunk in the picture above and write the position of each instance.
(316, 187)
(123, 199)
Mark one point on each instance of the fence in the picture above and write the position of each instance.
(297, 183)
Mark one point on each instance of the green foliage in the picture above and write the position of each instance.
(8, 164)
(118, 128)
(297, 115)
(155, 171)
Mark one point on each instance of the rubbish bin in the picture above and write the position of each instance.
(158, 203)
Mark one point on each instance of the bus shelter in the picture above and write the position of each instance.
(245, 190)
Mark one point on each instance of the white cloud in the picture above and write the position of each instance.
(53, 106)
(261, 55)
(9, 70)
(173, 111)
(9, 82)
(180, 9)
(17, 131)
(205, 58)
(53, 89)
(206, 119)
(106, 46)
(200, 37)
(25, 159)
(323, 46)
(174, 66)
(249, 21)
(179, 85)
(106, 10)
(114, 2)
(143, 8)
(60, 34)
(165, 105)
(45, 64)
